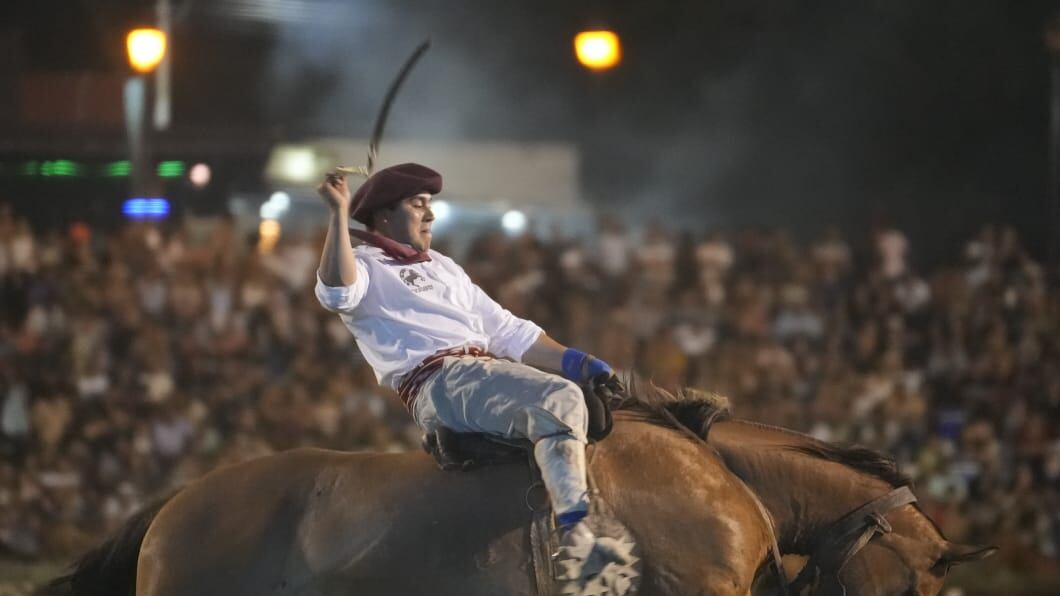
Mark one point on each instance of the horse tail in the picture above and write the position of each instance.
(109, 569)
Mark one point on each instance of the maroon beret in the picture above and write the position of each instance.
(391, 185)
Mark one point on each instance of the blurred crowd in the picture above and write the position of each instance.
(134, 361)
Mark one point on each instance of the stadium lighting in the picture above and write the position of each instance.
(29, 168)
(292, 164)
(514, 221)
(145, 208)
(281, 199)
(268, 234)
(146, 48)
(278, 204)
(117, 169)
(170, 169)
(60, 167)
(199, 175)
(441, 210)
(597, 50)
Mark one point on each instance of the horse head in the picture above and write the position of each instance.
(886, 546)
(899, 566)
(847, 508)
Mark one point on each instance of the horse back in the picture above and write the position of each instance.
(312, 521)
(323, 522)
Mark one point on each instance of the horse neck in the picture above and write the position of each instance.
(804, 494)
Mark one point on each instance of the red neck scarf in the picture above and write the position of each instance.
(402, 253)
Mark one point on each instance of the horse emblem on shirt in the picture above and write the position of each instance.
(413, 280)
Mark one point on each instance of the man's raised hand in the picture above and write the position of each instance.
(335, 191)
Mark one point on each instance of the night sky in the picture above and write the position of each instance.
(930, 115)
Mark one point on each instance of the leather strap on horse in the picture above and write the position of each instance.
(540, 535)
(774, 547)
(541, 550)
(848, 535)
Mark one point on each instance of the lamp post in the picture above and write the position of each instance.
(598, 49)
(146, 47)
(1052, 43)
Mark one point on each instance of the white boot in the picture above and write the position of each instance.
(561, 459)
(586, 564)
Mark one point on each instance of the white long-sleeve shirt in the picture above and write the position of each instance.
(401, 314)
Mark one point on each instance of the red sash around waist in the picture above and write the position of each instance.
(411, 383)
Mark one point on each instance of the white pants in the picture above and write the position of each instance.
(513, 400)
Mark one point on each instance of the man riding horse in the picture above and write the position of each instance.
(457, 359)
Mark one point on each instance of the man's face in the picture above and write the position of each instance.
(410, 222)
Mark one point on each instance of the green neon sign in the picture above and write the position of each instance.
(171, 169)
(117, 169)
(60, 168)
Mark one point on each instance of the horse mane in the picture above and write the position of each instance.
(856, 457)
(698, 410)
(862, 459)
(694, 409)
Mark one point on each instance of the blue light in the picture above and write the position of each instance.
(155, 208)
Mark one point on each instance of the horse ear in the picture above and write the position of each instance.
(955, 554)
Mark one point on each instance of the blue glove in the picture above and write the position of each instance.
(580, 367)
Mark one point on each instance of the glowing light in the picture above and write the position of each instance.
(514, 221)
(117, 169)
(29, 168)
(441, 210)
(278, 204)
(145, 208)
(281, 199)
(199, 175)
(296, 164)
(60, 167)
(49, 168)
(597, 50)
(170, 169)
(268, 234)
(80, 232)
(146, 49)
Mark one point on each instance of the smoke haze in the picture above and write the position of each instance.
(722, 114)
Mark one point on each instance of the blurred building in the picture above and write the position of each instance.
(488, 185)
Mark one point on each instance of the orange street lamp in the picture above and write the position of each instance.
(597, 50)
(146, 48)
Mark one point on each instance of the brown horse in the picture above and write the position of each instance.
(807, 485)
(319, 522)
